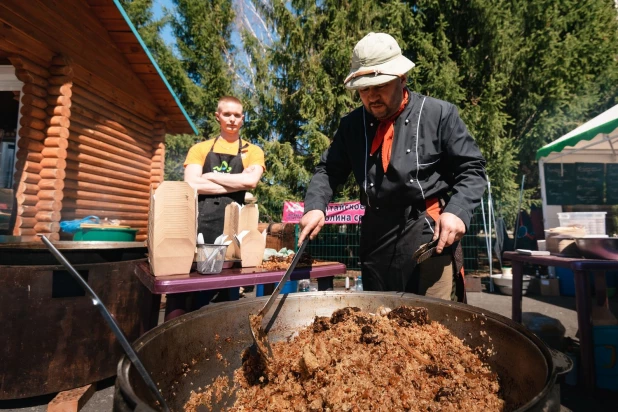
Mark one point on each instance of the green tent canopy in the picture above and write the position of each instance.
(595, 134)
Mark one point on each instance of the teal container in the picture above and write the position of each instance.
(105, 234)
(605, 356)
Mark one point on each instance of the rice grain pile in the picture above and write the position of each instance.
(355, 361)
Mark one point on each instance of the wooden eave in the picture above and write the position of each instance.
(128, 42)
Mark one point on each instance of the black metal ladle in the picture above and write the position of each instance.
(122, 339)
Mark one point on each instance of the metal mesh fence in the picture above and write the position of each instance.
(340, 243)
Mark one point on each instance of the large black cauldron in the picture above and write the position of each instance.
(522, 360)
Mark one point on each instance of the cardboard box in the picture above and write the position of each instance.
(241, 225)
(550, 287)
(172, 228)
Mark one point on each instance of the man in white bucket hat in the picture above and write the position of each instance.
(420, 172)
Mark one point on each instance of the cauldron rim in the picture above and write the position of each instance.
(122, 380)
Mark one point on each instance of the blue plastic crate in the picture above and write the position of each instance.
(289, 287)
(605, 356)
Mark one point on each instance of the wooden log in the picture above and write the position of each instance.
(156, 159)
(103, 197)
(31, 178)
(81, 213)
(156, 172)
(108, 145)
(58, 131)
(59, 142)
(28, 166)
(34, 157)
(58, 111)
(94, 204)
(34, 112)
(28, 65)
(58, 121)
(31, 133)
(24, 199)
(83, 153)
(51, 205)
(35, 90)
(30, 145)
(50, 195)
(29, 77)
(61, 71)
(47, 227)
(31, 239)
(27, 210)
(113, 183)
(23, 222)
(145, 122)
(156, 179)
(34, 101)
(62, 60)
(52, 174)
(104, 172)
(51, 152)
(53, 163)
(72, 400)
(62, 90)
(138, 103)
(32, 122)
(59, 101)
(92, 127)
(26, 188)
(108, 118)
(60, 80)
(27, 232)
(51, 184)
(159, 151)
(99, 188)
(48, 216)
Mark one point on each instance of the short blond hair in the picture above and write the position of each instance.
(227, 99)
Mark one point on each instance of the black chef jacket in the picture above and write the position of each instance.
(433, 155)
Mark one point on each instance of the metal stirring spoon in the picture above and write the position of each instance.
(111, 323)
(255, 321)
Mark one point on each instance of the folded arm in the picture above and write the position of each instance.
(247, 180)
(193, 176)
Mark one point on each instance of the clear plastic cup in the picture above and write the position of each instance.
(210, 258)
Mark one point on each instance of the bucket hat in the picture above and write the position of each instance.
(376, 59)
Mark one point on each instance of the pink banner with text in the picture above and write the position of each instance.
(336, 213)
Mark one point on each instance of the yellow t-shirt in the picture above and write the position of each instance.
(250, 153)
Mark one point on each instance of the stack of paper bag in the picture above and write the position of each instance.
(172, 228)
(241, 225)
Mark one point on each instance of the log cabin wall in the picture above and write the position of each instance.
(91, 140)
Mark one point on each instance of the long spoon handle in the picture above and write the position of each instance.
(284, 279)
(111, 323)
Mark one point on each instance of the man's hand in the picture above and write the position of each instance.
(449, 228)
(311, 224)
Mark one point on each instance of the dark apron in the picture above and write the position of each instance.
(211, 208)
(388, 240)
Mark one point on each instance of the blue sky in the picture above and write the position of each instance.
(157, 10)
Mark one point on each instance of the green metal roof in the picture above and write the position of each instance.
(605, 123)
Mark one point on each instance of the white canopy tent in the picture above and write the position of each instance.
(595, 141)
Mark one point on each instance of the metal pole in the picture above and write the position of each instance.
(490, 255)
(521, 195)
(111, 323)
(491, 280)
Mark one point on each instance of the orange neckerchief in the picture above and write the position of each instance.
(386, 133)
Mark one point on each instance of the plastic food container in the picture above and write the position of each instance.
(593, 222)
(209, 259)
(108, 234)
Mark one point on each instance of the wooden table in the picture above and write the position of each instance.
(580, 267)
(324, 272)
